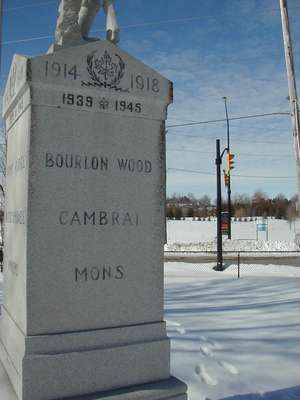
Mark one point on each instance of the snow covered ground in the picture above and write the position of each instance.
(234, 339)
(201, 236)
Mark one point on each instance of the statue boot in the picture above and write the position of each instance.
(112, 29)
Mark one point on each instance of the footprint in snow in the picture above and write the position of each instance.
(172, 323)
(206, 351)
(178, 327)
(213, 345)
(229, 367)
(204, 375)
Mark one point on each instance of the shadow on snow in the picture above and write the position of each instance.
(292, 393)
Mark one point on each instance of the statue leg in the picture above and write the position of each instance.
(67, 23)
(112, 28)
(88, 11)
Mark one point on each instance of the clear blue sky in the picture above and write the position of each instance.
(210, 49)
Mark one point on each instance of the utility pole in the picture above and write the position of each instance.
(229, 177)
(292, 88)
(1, 25)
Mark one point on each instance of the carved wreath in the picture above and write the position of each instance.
(104, 66)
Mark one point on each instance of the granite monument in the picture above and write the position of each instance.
(82, 312)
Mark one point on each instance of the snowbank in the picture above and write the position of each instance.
(201, 236)
(234, 245)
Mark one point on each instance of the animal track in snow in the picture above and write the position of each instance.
(229, 367)
(204, 375)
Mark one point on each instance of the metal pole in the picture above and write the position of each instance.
(238, 265)
(292, 87)
(219, 266)
(229, 177)
(1, 24)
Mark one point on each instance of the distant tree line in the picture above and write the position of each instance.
(259, 205)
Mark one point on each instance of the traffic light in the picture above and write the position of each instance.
(229, 162)
(226, 179)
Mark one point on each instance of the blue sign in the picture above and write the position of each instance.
(262, 227)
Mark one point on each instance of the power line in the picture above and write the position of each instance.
(144, 24)
(54, 1)
(224, 120)
(278, 9)
(230, 119)
(29, 6)
(235, 140)
(191, 171)
(258, 127)
(232, 125)
(237, 126)
(264, 176)
(27, 40)
(236, 153)
(263, 155)
(138, 25)
(235, 176)
(192, 151)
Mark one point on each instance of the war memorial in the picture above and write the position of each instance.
(82, 313)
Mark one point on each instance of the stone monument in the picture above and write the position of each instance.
(82, 314)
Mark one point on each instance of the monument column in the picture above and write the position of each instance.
(84, 227)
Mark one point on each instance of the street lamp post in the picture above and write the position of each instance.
(219, 157)
(219, 266)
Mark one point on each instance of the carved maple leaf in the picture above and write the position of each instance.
(105, 66)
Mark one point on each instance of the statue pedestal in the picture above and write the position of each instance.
(152, 391)
(85, 227)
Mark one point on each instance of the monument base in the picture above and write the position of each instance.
(170, 389)
(76, 363)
